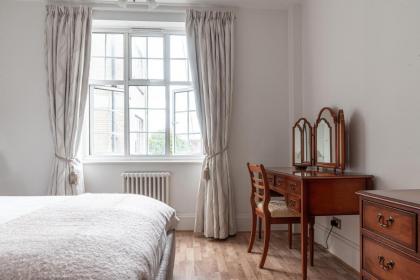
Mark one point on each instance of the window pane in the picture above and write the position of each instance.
(98, 44)
(195, 142)
(139, 68)
(179, 70)
(181, 101)
(102, 100)
(157, 120)
(155, 69)
(156, 143)
(182, 146)
(181, 122)
(138, 120)
(115, 45)
(178, 46)
(107, 143)
(191, 100)
(137, 96)
(193, 123)
(138, 143)
(157, 97)
(107, 119)
(155, 47)
(138, 47)
(97, 69)
(114, 69)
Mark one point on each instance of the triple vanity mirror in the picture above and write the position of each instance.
(322, 145)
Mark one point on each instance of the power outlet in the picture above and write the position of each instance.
(336, 222)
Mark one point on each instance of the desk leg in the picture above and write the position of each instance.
(304, 244)
(311, 239)
(304, 219)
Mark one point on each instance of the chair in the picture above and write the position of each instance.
(270, 211)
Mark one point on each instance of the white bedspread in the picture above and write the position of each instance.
(91, 236)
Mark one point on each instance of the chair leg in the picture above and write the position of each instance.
(259, 228)
(311, 240)
(253, 232)
(267, 232)
(290, 234)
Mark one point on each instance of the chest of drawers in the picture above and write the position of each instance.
(389, 234)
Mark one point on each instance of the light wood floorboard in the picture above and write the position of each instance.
(199, 258)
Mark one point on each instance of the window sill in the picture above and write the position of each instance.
(122, 160)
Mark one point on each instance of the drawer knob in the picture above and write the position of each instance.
(385, 265)
(384, 222)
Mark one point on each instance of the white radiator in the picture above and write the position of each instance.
(152, 184)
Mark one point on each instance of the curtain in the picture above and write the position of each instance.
(68, 36)
(210, 36)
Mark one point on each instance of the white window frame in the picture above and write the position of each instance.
(127, 82)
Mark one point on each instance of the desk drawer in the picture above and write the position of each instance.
(293, 202)
(270, 179)
(293, 187)
(280, 184)
(391, 223)
(386, 264)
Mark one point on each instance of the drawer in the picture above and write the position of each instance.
(293, 202)
(280, 184)
(391, 223)
(270, 179)
(280, 181)
(386, 264)
(293, 187)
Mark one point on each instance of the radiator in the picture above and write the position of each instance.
(152, 184)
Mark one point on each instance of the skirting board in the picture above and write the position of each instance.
(243, 222)
(343, 248)
(186, 221)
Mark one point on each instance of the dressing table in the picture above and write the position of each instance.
(318, 185)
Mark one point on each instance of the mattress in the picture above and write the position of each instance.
(91, 236)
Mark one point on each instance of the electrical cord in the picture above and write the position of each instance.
(328, 236)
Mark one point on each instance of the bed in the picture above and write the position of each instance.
(90, 236)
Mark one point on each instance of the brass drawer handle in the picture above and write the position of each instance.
(385, 223)
(292, 186)
(385, 265)
(292, 203)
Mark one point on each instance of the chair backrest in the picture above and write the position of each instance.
(260, 189)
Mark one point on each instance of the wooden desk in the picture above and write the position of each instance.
(314, 193)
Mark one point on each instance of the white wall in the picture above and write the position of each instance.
(260, 123)
(364, 56)
(25, 139)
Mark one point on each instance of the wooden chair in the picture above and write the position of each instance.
(269, 211)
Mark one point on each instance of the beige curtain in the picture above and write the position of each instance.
(68, 35)
(210, 36)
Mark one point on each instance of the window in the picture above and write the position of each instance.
(141, 101)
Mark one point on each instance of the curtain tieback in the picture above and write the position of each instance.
(73, 176)
(206, 171)
(66, 159)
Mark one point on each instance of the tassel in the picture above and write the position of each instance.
(206, 173)
(73, 177)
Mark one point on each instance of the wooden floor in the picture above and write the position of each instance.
(200, 258)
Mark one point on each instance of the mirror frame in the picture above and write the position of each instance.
(341, 141)
(302, 147)
(338, 143)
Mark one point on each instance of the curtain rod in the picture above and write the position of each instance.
(137, 6)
